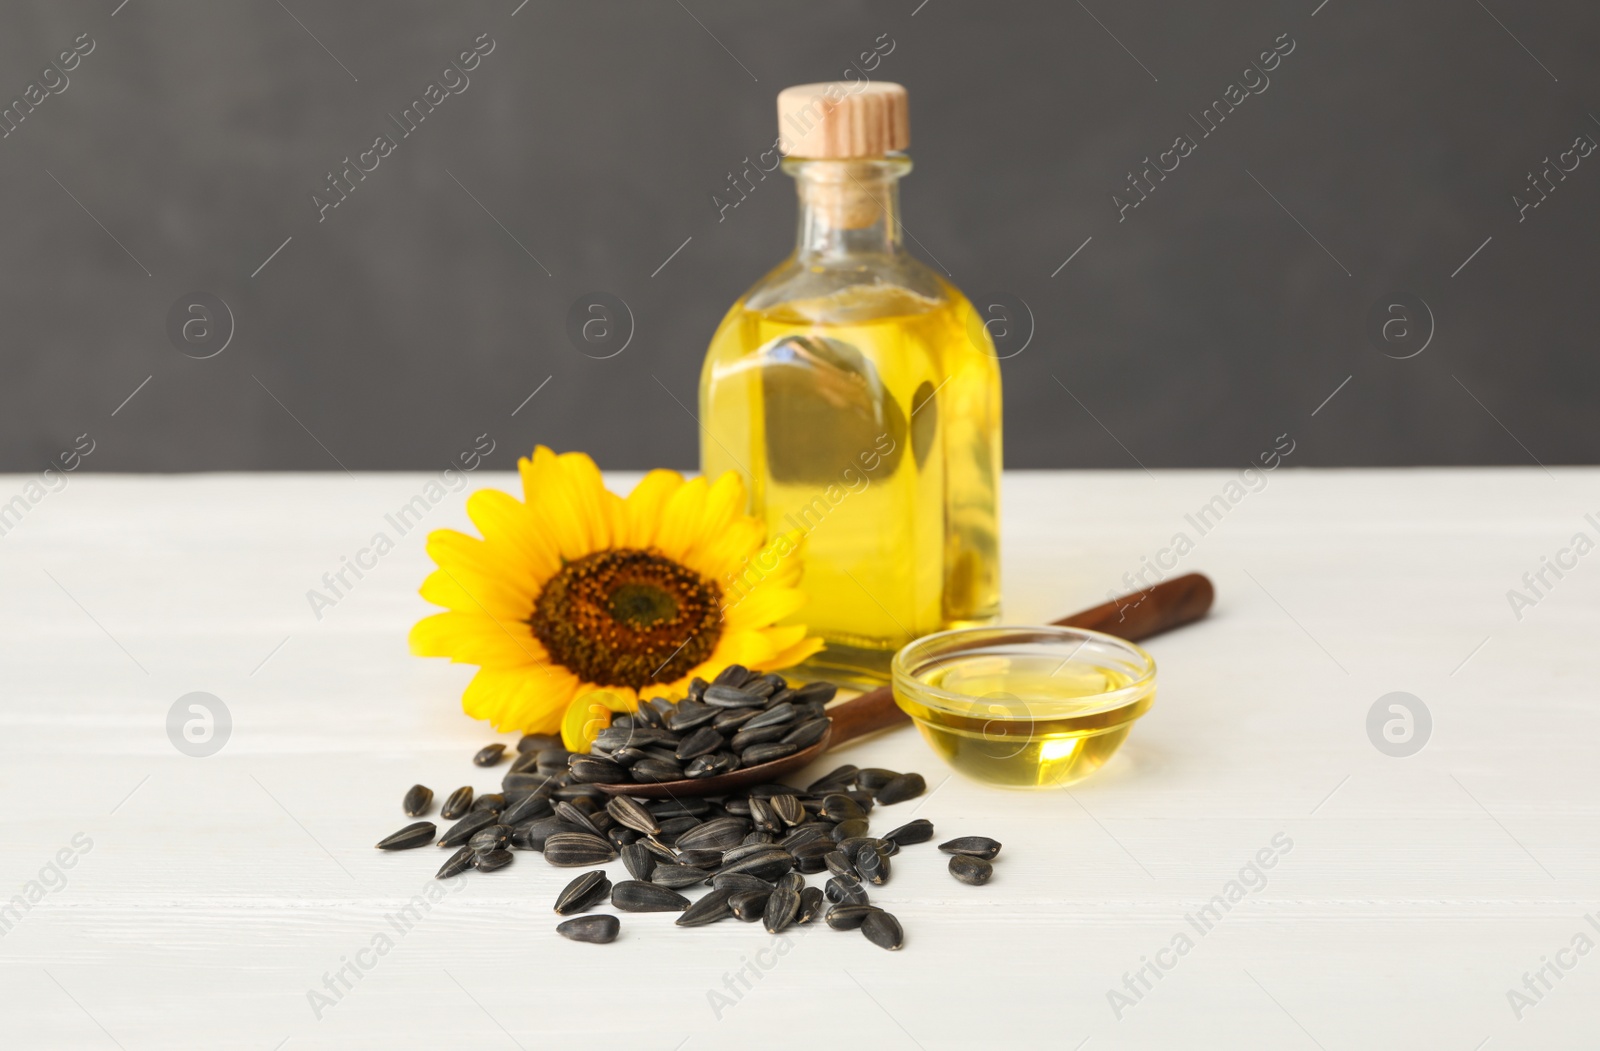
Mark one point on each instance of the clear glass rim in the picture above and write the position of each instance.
(930, 648)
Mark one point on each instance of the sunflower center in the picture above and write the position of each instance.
(626, 617)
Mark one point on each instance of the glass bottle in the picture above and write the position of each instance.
(858, 394)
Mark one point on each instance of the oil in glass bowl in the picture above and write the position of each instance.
(1024, 707)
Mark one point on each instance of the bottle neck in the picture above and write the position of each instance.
(848, 207)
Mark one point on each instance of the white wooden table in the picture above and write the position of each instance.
(207, 897)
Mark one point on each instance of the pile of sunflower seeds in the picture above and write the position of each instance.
(752, 849)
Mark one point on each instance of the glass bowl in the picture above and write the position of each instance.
(1024, 707)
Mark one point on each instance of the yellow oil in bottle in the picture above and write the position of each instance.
(1026, 720)
(867, 419)
(858, 393)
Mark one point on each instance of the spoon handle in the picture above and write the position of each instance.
(1138, 615)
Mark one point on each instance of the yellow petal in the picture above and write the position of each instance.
(461, 589)
(468, 556)
(531, 699)
(590, 712)
(470, 638)
(766, 604)
(569, 501)
(679, 519)
(643, 508)
(513, 533)
(788, 658)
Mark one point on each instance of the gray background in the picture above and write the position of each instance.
(1211, 320)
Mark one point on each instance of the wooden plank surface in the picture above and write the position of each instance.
(208, 897)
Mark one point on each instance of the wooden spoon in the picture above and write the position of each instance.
(1139, 615)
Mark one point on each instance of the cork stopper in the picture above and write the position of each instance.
(842, 119)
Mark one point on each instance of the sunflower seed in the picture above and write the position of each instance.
(703, 858)
(659, 849)
(732, 675)
(673, 827)
(492, 838)
(612, 737)
(975, 846)
(839, 807)
(416, 834)
(597, 770)
(489, 755)
(637, 896)
(873, 866)
(862, 798)
(832, 780)
(596, 929)
(655, 771)
(732, 719)
(766, 753)
(767, 864)
(760, 838)
(671, 874)
(638, 860)
(458, 803)
(887, 847)
(630, 814)
(621, 837)
(417, 801)
(882, 930)
(690, 714)
(574, 849)
(852, 844)
(720, 696)
(839, 864)
(489, 860)
(526, 809)
(747, 738)
(531, 835)
(812, 902)
(902, 788)
(701, 742)
(709, 909)
(585, 892)
(552, 760)
(720, 833)
(849, 917)
(573, 816)
(532, 744)
(711, 765)
(875, 777)
(807, 733)
(463, 830)
(918, 831)
(749, 905)
(846, 890)
(822, 692)
(524, 763)
(734, 882)
(647, 716)
(539, 782)
(495, 801)
(777, 715)
(807, 833)
(788, 809)
(763, 815)
(459, 862)
(812, 857)
(697, 686)
(852, 828)
(781, 909)
(971, 870)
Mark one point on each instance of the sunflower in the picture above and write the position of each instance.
(576, 598)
